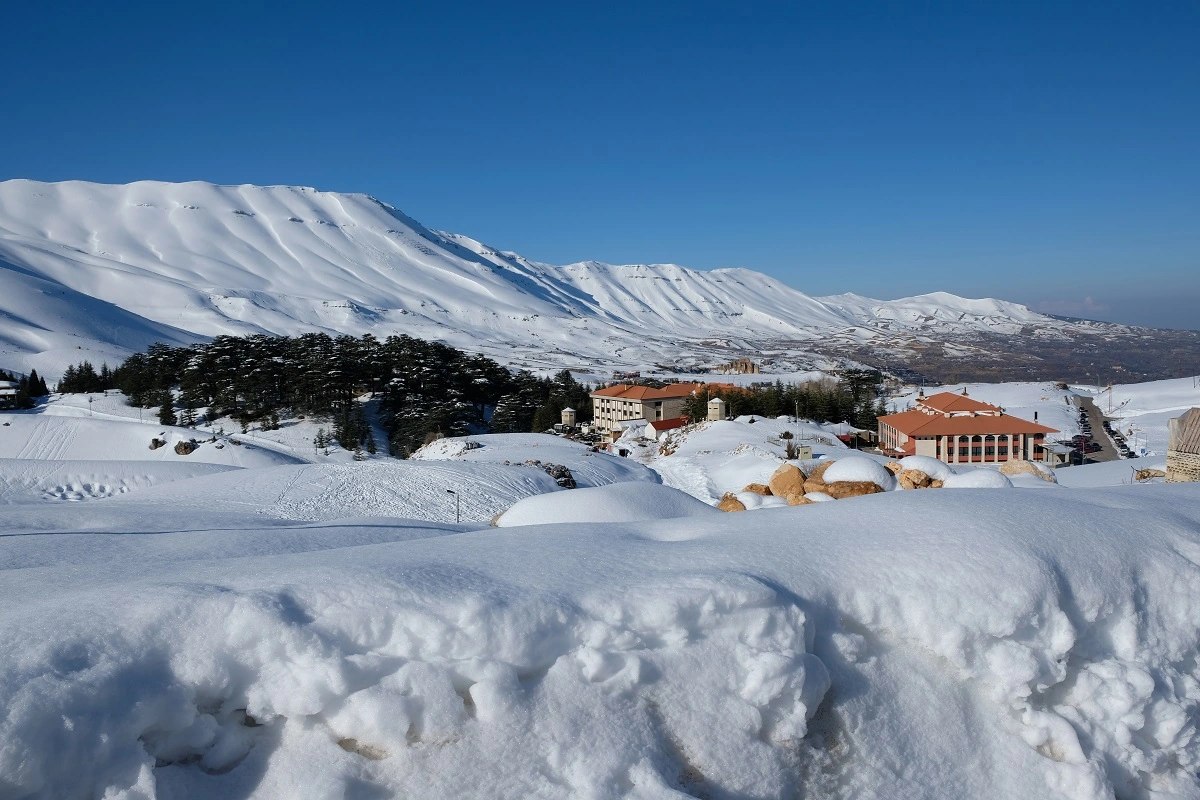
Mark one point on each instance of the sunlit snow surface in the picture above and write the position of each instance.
(319, 628)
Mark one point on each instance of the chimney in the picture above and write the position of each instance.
(1035, 416)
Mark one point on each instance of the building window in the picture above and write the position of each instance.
(976, 451)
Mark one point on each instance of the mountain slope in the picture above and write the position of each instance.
(153, 261)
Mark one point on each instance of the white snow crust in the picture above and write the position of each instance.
(622, 502)
(970, 647)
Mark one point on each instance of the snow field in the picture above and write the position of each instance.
(377, 488)
(56, 437)
(26, 480)
(791, 652)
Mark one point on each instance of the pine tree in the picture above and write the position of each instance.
(166, 409)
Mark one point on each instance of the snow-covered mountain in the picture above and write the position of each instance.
(99, 271)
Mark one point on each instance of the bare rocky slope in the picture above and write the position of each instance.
(99, 271)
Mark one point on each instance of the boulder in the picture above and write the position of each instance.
(186, 448)
(1147, 474)
(818, 473)
(798, 500)
(1017, 466)
(895, 467)
(787, 480)
(914, 479)
(936, 484)
(156, 443)
(815, 482)
(840, 490)
(730, 503)
(759, 488)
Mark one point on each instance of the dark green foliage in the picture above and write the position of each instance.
(166, 408)
(853, 399)
(424, 388)
(82, 378)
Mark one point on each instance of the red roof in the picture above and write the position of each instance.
(954, 402)
(661, 425)
(631, 392)
(922, 423)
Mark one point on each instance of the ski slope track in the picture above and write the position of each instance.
(100, 271)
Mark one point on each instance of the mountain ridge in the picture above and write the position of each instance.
(194, 260)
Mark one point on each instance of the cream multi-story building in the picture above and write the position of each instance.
(624, 402)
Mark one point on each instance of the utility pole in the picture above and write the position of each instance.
(457, 505)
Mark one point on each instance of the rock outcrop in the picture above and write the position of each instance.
(840, 490)
(730, 503)
(914, 479)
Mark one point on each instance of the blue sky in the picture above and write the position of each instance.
(1039, 152)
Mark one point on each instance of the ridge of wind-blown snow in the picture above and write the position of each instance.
(100, 271)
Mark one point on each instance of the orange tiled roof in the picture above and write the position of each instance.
(952, 401)
(627, 391)
(920, 423)
(668, 424)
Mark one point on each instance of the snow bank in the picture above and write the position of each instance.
(588, 468)
(979, 479)
(794, 652)
(856, 468)
(622, 502)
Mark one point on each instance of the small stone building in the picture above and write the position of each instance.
(1183, 448)
(717, 410)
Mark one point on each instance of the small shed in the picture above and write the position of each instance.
(568, 417)
(1183, 448)
(656, 427)
(717, 410)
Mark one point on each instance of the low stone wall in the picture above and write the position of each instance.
(1182, 467)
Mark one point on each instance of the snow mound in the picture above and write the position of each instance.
(937, 470)
(978, 479)
(624, 502)
(992, 656)
(587, 468)
(858, 468)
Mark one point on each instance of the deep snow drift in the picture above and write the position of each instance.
(974, 646)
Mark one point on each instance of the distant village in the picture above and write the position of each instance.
(952, 427)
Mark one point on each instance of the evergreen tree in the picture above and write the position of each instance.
(166, 408)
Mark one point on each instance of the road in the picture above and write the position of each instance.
(1108, 451)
